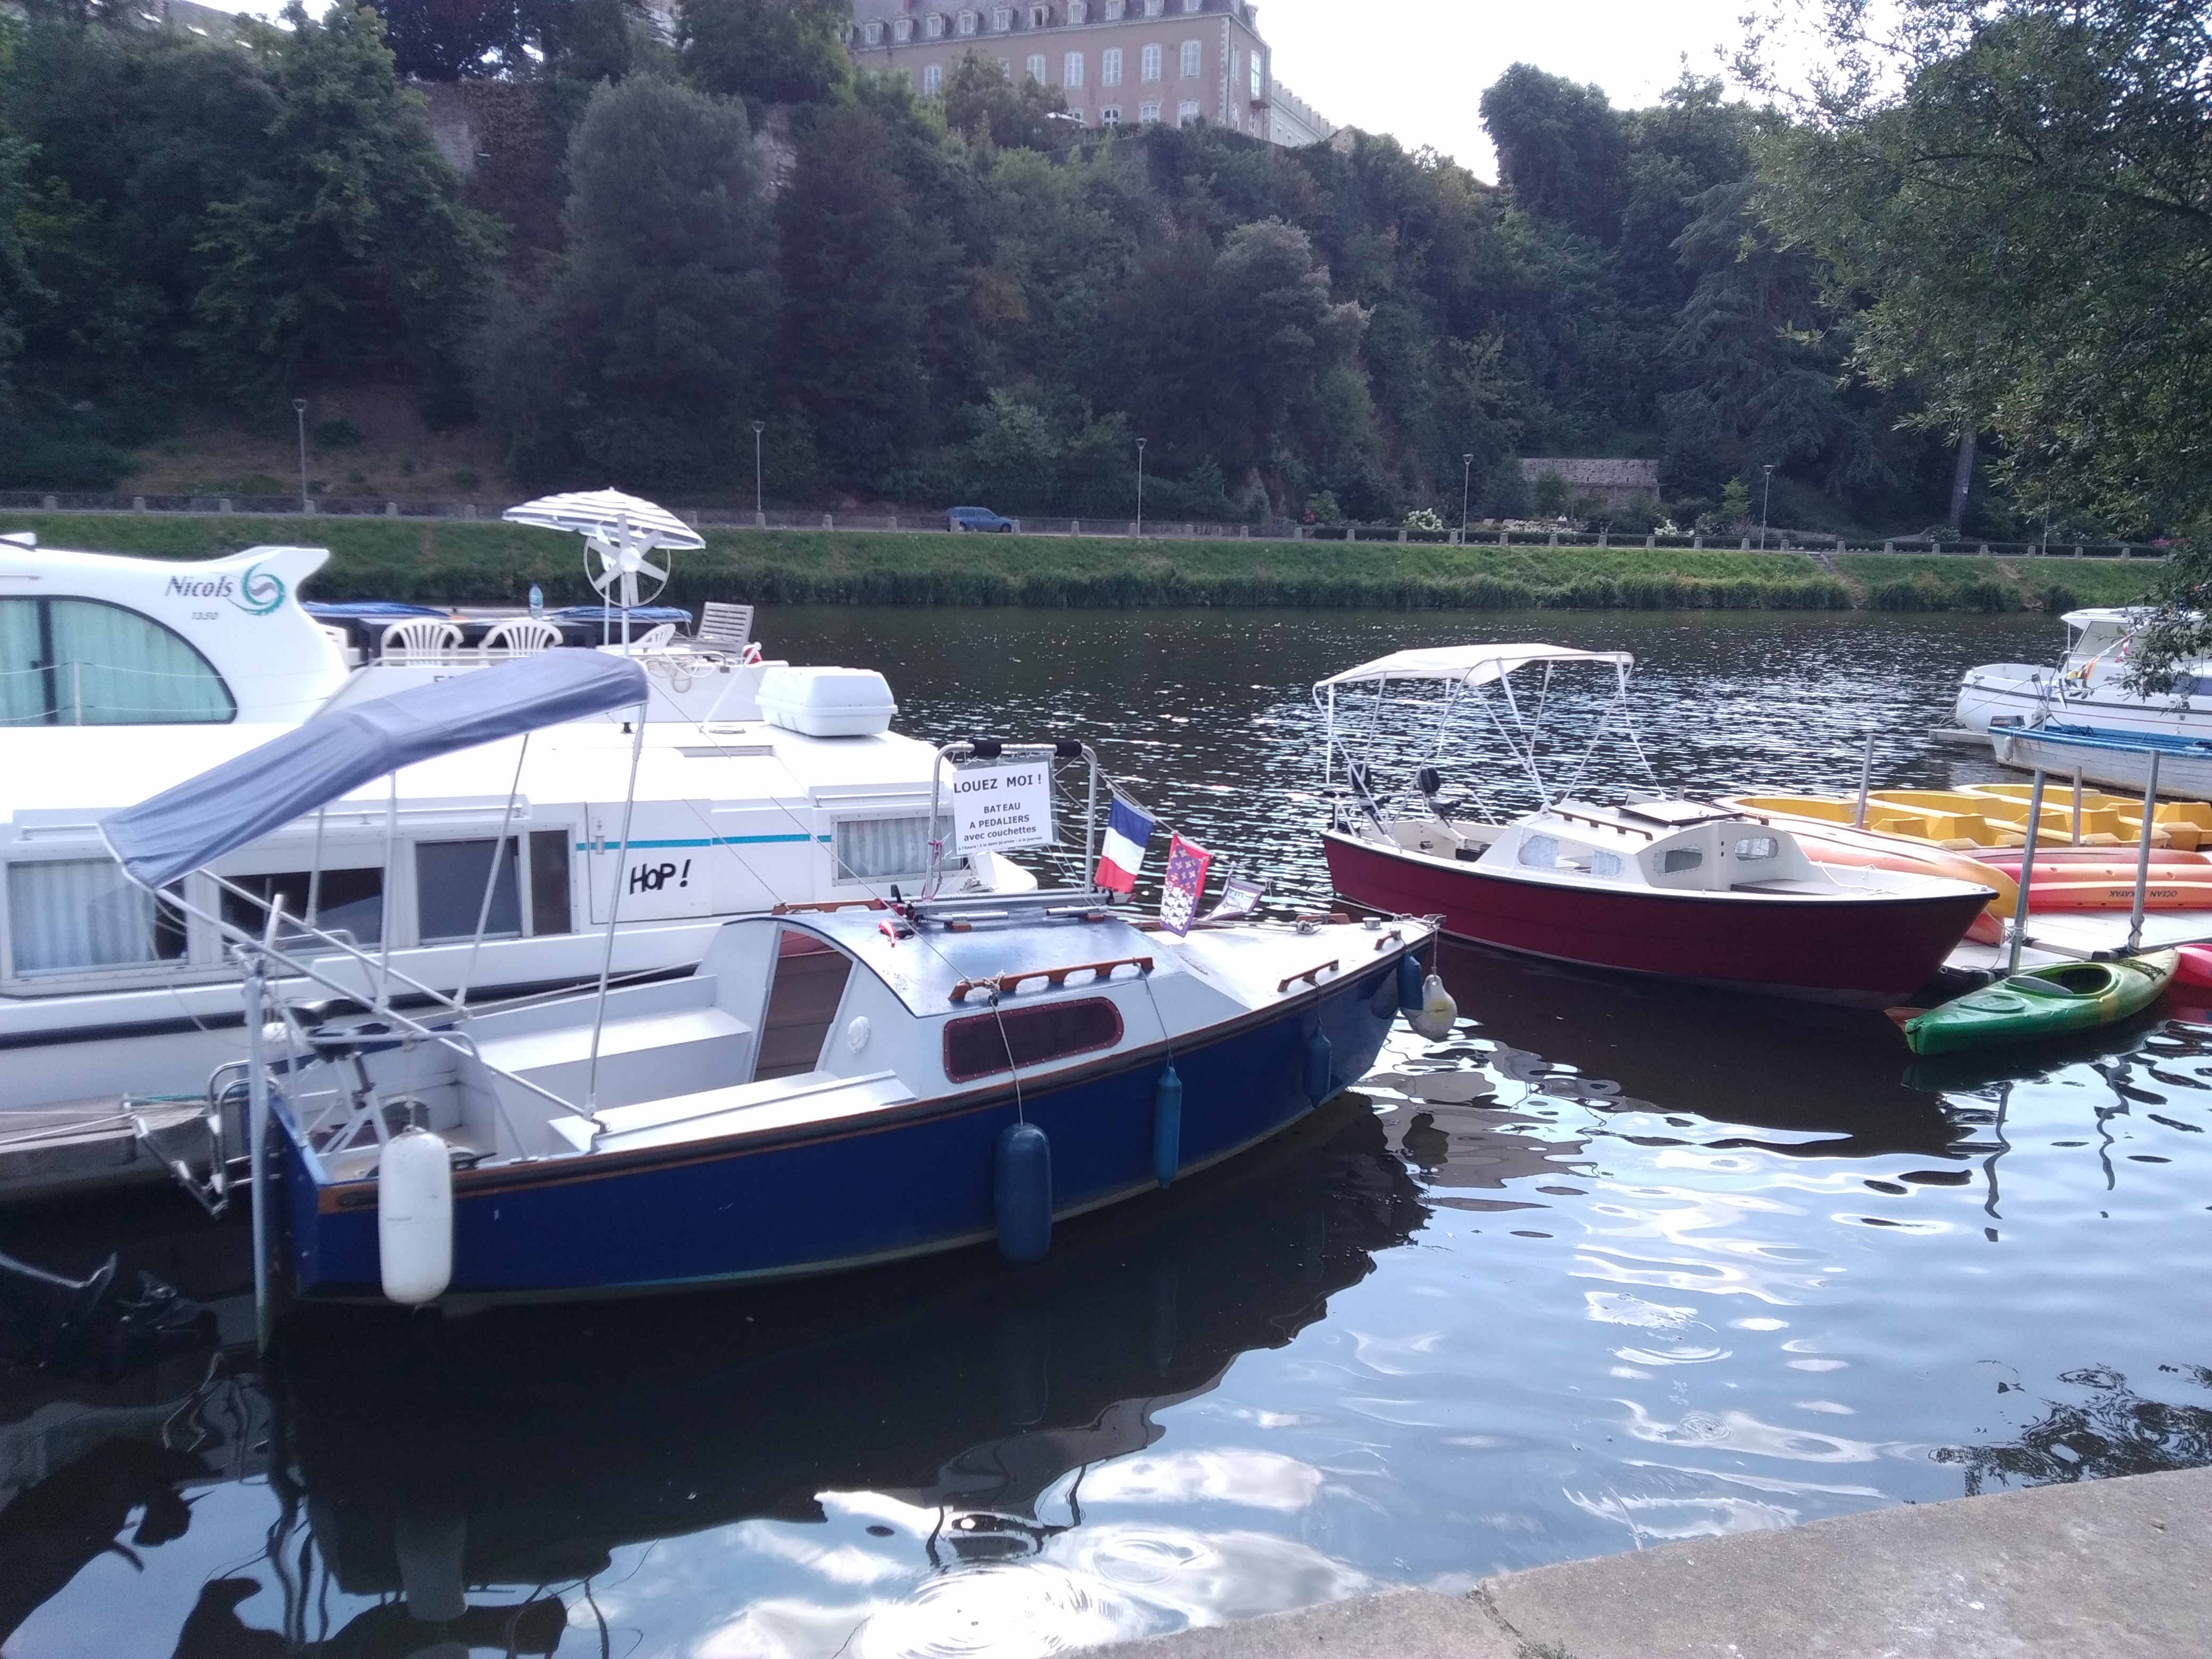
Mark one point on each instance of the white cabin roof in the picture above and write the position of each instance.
(1466, 665)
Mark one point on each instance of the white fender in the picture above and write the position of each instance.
(415, 1218)
(1437, 1013)
(432, 1554)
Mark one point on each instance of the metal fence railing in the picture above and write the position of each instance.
(731, 517)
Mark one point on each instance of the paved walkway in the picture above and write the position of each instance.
(2106, 1570)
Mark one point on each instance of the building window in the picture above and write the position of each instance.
(1110, 116)
(932, 80)
(1078, 11)
(1149, 112)
(1109, 67)
(1186, 113)
(1116, 11)
(1193, 57)
(1035, 67)
(933, 25)
(1154, 8)
(872, 34)
(902, 30)
(966, 22)
(1002, 18)
(1071, 73)
(1151, 67)
(1040, 17)
(1190, 6)
(1259, 77)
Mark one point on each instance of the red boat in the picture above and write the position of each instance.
(1685, 890)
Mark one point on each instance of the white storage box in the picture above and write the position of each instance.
(827, 702)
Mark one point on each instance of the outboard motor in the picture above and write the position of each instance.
(99, 1329)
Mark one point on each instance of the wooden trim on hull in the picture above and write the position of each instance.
(1861, 951)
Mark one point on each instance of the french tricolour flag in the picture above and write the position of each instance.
(1128, 829)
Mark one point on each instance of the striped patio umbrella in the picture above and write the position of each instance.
(622, 530)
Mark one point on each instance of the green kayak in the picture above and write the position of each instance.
(2044, 1002)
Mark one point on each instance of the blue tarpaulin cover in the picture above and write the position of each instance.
(182, 828)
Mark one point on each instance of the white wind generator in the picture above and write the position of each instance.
(620, 533)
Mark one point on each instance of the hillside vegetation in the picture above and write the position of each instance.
(461, 562)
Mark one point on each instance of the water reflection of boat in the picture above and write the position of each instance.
(539, 1441)
(1797, 1067)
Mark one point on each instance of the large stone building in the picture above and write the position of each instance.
(1117, 62)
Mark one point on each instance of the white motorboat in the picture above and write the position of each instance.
(2088, 689)
(756, 784)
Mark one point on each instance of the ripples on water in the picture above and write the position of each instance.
(1615, 1265)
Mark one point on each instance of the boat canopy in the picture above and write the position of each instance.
(1466, 665)
(201, 819)
(610, 514)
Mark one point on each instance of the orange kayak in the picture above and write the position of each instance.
(2161, 894)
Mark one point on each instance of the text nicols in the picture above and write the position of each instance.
(996, 809)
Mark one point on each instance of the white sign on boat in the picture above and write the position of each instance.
(996, 809)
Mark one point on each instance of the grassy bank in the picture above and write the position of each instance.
(461, 562)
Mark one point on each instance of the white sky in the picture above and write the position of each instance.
(1416, 69)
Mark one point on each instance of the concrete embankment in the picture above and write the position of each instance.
(2105, 1569)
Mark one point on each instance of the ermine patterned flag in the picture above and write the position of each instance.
(1128, 827)
(1187, 862)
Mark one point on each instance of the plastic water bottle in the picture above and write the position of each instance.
(536, 600)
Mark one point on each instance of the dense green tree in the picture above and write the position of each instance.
(983, 101)
(1560, 149)
(350, 253)
(2029, 218)
(451, 39)
(765, 52)
(640, 359)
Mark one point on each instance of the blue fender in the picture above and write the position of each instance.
(1023, 1190)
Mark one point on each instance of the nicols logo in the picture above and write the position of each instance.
(258, 592)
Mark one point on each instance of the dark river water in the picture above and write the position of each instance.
(1615, 1264)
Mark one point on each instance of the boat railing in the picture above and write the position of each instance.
(1055, 979)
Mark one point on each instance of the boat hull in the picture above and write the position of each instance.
(2185, 769)
(848, 1195)
(1864, 951)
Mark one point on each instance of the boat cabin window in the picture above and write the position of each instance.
(349, 901)
(1605, 865)
(991, 1045)
(887, 849)
(84, 662)
(1540, 853)
(802, 1002)
(449, 887)
(1751, 850)
(1676, 859)
(70, 915)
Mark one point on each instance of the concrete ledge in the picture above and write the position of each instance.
(2105, 1569)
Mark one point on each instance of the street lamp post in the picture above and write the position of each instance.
(1140, 488)
(300, 416)
(1466, 493)
(1765, 501)
(759, 427)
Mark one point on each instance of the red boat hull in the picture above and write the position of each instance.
(1872, 950)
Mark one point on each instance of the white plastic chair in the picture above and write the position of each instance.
(521, 636)
(728, 625)
(655, 636)
(421, 636)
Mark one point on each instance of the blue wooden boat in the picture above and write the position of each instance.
(832, 1085)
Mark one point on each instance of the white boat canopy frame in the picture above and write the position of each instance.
(1471, 670)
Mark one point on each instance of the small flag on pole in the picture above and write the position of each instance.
(1240, 897)
(1186, 880)
(1128, 827)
